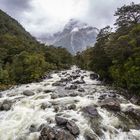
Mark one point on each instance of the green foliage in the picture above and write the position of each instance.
(128, 15)
(116, 55)
(28, 67)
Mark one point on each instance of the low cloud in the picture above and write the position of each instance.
(48, 16)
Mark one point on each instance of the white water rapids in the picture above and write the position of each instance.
(15, 124)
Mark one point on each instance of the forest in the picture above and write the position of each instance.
(116, 54)
(22, 58)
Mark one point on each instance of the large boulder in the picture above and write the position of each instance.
(110, 104)
(60, 120)
(133, 113)
(73, 128)
(28, 93)
(91, 111)
(49, 133)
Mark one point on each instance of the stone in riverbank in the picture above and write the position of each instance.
(5, 105)
(49, 133)
(110, 104)
(28, 93)
(91, 111)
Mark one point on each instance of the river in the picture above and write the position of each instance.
(97, 112)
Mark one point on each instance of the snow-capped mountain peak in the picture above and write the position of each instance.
(75, 37)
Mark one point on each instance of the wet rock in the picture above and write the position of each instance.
(135, 100)
(58, 83)
(72, 107)
(89, 135)
(45, 105)
(48, 91)
(74, 94)
(79, 82)
(81, 90)
(28, 93)
(5, 105)
(75, 76)
(102, 97)
(48, 76)
(33, 128)
(133, 113)
(39, 90)
(93, 76)
(56, 108)
(63, 73)
(112, 95)
(91, 111)
(71, 87)
(0, 95)
(50, 120)
(54, 96)
(73, 128)
(60, 120)
(42, 126)
(12, 94)
(110, 104)
(49, 133)
(68, 79)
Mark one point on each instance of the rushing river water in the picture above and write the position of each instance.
(98, 111)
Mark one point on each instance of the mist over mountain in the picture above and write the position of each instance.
(75, 37)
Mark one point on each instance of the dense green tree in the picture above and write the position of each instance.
(128, 15)
(116, 55)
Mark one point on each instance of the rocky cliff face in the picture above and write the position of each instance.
(75, 37)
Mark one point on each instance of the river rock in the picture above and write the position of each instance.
(102, 97)
(45, 105)
(5, 105)
(60, 120)
(33, 128)
(56, 108)
(71, 87)
(91, 111)
(79, 82)
(135, 100)
(81, 90)
(73, 94)
(93, 76)
(54, 96)
(28, 93)
(75, 76)
(110, 104)
(49, 133)
(48, 91)
(133, 113)
(89, 135)
(72, 107)
(73, 128)
(58, 83)
(0, 95)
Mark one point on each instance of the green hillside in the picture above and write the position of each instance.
(22, 58)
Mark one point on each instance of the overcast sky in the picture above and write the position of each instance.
(49, 16)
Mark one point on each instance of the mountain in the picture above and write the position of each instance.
(75, 37)
(10, 26)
